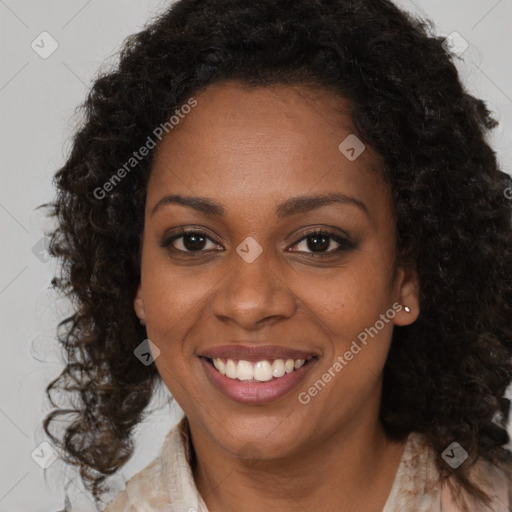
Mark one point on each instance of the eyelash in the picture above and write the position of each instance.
(344, 243)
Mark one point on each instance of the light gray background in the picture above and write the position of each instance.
(37, 101)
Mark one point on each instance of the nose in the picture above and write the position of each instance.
(252, 294)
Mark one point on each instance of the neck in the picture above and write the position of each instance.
(352, 469)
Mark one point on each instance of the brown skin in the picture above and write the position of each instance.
(250, 149)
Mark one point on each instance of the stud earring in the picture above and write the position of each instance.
(407, 309)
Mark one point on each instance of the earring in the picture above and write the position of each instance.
(407, 309)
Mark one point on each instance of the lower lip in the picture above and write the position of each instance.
(246, 392)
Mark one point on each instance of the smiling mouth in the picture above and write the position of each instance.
(257, 371)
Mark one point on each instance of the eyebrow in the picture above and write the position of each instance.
(292, 206)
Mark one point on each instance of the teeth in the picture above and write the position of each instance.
(278, 368)
(231, 370)
(261, 371)
(289, 365)
(219, 364)
(244, 371)
(299, 363)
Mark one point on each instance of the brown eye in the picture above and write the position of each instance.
(319, 242)
(189, 241)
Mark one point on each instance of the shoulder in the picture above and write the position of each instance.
(418, 486)
(143, 489)
(146, 490)
(496, 481)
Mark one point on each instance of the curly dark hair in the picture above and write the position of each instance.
(447, 373)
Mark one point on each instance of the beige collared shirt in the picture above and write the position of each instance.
(167, 484)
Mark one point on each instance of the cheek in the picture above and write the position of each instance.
(173, 294)
(352, 297)
(357, 340)
(174, 305)
(347, 306)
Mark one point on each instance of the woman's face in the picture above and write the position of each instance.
(251, 278)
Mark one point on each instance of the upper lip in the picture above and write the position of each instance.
(255, 352)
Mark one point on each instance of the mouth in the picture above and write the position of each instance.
(264, 370)
(256, 382)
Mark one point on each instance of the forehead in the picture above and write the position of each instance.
(261, 145)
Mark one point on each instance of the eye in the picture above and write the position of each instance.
(316, 243)
(319, 241)
(189, 240)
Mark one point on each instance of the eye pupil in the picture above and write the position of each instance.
(190, 242)
(313, 242)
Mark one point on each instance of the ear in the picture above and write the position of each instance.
(138, 306)
(407, 295)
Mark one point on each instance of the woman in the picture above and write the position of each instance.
(289, 214)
